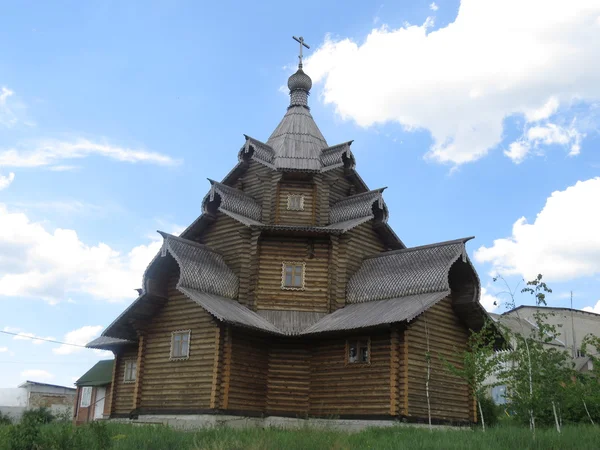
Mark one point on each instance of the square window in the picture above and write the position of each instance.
(295, 202)
(130, 371)
(180, 344)
(358, 351)
(86, 396)
(292, 276)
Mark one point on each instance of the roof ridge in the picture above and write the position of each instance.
(166, 235)
(362, 194)
(421, 247)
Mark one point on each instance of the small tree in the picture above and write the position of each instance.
(520, 375)
(478, 362)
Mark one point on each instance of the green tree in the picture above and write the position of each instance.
(479, 361)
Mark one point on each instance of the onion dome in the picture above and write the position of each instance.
(300, 81)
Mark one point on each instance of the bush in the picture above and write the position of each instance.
(5, 419)
(491, 411)
(37, 416)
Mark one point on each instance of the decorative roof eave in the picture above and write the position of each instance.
(409, 271)
(360, 205)
(231, 200)
(258, 151)
(200, 267)
(109, 343)
(337, 156)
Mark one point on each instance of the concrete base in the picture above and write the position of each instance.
(199, 421)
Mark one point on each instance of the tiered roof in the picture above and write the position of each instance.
(394, 286)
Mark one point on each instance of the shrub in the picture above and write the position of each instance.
(38, 416)
(491, 411)
(5, 419)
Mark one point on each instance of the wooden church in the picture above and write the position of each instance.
(291, 296)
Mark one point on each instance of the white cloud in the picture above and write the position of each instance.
(80, 336)
(51, 265)
(6, 180)
(546, 134)
(25, 336)
(498, 59)
(433, 6)
(3, 349)
(488, 301)
(49, 152)
(562, 243)
(594, 309)
(7, 116)
(36, 375)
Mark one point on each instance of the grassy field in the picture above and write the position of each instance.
(62, 436)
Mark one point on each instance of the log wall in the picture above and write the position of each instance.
(185, 384)
(276, 250)
(338, 388)
(288, 382)
(284, 216)
(244, 378)
(122, 400)
(449, 395)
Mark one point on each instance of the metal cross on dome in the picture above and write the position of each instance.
(300, 40)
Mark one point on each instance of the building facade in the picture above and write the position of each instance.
(291, 296)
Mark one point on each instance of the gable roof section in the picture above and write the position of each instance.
(359, 206)
(234, 203)
(99, 375)
(200, 267)
(370, 314)
(410, 271)
(229, 311)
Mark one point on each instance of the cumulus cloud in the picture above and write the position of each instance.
(433, 6)
(593, 309)
(52, 264)
(562, 243)
(36, 375)
(6, 180)
(498, 59)
(80, 336)
(546, 134)
(489, 301)
(47, 153)
(3, 349)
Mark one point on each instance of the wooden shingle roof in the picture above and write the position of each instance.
(411, 271)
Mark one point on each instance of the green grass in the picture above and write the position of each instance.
(61, 436)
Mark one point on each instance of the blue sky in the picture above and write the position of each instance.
(480, 117)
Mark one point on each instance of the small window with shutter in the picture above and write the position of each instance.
(295, 202)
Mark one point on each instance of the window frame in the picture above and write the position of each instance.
(357, 341)
(286, 264)
(129, 362)
(172, 357)
(300, 200)
(85, 389)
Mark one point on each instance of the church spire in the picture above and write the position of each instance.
(299, 83)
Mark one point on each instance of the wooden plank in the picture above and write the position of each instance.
(215, 381)
(394, 367)
(227, 368)
(405, 368)
(137, 392)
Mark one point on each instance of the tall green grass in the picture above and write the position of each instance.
(63, 436)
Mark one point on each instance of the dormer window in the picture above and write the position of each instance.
(295, 202)
(292, 276)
